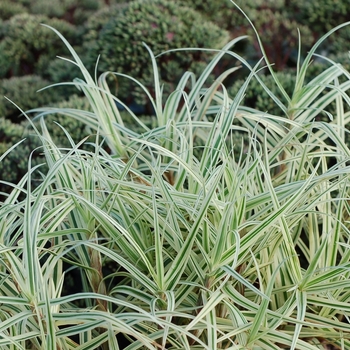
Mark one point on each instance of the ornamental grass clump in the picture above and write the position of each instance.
(178, 236)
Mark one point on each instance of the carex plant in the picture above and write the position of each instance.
(221, 227)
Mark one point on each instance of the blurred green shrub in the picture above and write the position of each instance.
(224, 13)
(8, 8)
(60, 71)
(162, 25)
(114, 2)
(55, 122)
(15, 165)
(72, 11)
(24, 92)
(26, 47)
(323, 15)
(338, 43)
(280, 36)
(275, 22)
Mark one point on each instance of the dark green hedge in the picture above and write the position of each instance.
(15, 165)
(26, 47)
(162, 25)
(24, 92)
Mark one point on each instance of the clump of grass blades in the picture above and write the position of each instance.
(182, 238)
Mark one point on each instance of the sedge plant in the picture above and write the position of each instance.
(181, 236)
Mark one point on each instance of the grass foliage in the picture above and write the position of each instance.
(178, 236)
